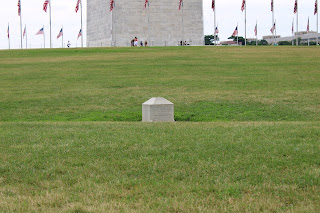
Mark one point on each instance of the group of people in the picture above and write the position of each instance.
(134, 43)
(183, 43)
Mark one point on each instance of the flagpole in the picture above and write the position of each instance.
(215, 37)
(44, 39)
(21, 23)
(8, 36)
(50, 24)
(62, 38)
(26, 37)
(274, 38)
(275, 31)
(256, 33)
(297, 42)
(292, 32)
(148, 24)
(317, 24)
(237, 35)
(81, 27)
(245, 23)
(182, 24)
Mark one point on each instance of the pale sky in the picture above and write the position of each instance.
(228, 14)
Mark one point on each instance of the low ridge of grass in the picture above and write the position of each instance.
(180, 167)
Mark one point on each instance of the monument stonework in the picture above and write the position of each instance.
(157, 110)
(160, 24)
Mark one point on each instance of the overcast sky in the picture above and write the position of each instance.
(228, 14)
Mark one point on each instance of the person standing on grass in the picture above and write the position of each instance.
(135, 41)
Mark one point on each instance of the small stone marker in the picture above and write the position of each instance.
(157, 110)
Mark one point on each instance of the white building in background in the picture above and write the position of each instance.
(304, 35)
(160, 24)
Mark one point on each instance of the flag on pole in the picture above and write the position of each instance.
(180, 4)
(145, 3)
(235, 32)
(45, 5)
(213, 5)
(273, 28)
(256, 30)
(60, 33)
(308, 26)
(271, 5)
(217, 30)
(111, 5)
(8, 31)
(24, 31)
(80, 34)
(295, 10)
(316, 7)
(19, 8)
(243, 5)
(77, 6)
(40, 32)
(292, 30)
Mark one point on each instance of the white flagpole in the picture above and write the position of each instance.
(274, 38)
(21, 23)
(182, 24)
(50, 24)
(44, 39)
(8, 36)
(297, 42)
(275, 31)
(62, 37)
(148, 25)
(81, 26)
(245, 23)
(215, 37)
(256, 33)
(317, 24)
(237, 35)
(292, 32)
(26, 36)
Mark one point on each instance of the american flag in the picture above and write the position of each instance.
(45, 5)
(40, 32)
(111, 5)
(316, 7)
(292, 30)
(273, 28)
(19, 8)
(213, 5)
(243, 5)
(256, 30)
(308, 26)
(217, 30)
(80, 34)
(24, 31)
(8, 31)
(60, 33)
(271, 5)
(77, 6)
(180, 4)
(235, 32)
(295, 10)
(145, 3)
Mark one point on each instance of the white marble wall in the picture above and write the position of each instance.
(129, 19)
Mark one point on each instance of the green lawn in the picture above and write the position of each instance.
(247, 136)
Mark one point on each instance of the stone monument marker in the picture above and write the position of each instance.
(157, 110)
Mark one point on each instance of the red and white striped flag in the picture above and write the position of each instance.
(235, 32)
(60, 33)
(213, 5)
(273, 28)
(243, 5)
(256, 30)
(19, 8)
(111, 5)
(295, 10)
(8, 32)
(80, 34)
(24, 31)
(40, 32)
(316, 7)
(271, 5)
(180, 4)
(308, 26)
(77, 6)
(146, 3)
(45, 5)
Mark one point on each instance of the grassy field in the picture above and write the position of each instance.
(247, 136)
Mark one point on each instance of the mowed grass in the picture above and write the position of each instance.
(247, 136)
(204, 83)
(141, 167)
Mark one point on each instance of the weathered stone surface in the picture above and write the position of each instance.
(157, 110)
(130, 19)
